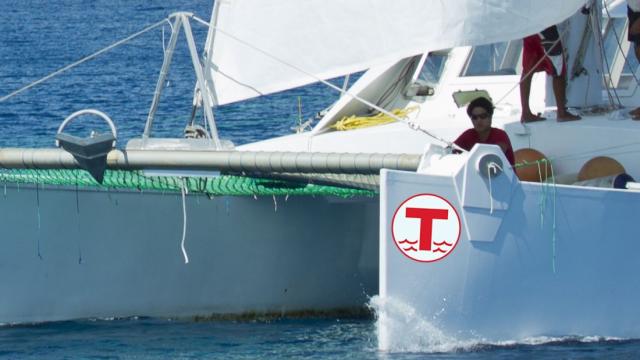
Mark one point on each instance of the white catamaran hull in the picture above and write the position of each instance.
(532, 259)
(71, 254)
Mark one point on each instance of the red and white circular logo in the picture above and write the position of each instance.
(426, 227)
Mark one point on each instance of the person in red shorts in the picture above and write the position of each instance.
(480, 112)
(543, 52)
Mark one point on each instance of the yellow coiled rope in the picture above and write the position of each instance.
(358, 122)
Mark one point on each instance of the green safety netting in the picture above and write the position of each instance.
(135, 180)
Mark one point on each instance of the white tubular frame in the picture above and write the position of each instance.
(182, 21)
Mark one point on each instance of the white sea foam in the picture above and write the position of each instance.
(401, 328)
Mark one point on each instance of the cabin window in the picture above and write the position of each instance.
(494, 59)
(433, 67)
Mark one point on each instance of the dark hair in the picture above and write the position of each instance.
(482, 102)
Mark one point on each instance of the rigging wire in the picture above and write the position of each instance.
(164, 45)
(83, 60)
(604, 57)
(562, 35)
(619, 43)
(410, 124)
(392, 92)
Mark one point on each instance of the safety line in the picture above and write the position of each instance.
(411, 125)
(87, 58)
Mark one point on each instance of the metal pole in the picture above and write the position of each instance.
(202, 86)
(237, 161)
(168, 56)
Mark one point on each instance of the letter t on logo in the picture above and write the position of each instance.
(426, 217)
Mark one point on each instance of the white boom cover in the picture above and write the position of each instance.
(330, 38)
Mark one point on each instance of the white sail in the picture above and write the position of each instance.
(329, 38)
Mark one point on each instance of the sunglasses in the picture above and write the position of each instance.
(482, 116)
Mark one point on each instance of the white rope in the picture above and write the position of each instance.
(164, 47)
(184, 191)
(38, 203)
(275, 204)
(490, 190)
(39, 234)
(85, 59)
(542, 196)
(492, 167)
(343, 92)
(553, 234)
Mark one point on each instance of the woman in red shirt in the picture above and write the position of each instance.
(480, 111)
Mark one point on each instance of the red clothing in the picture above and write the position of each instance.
(532, 52)
(496, 137)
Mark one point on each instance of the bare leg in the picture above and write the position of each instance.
(525, 91)
(559, 90)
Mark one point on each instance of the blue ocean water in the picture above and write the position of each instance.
(38, 37)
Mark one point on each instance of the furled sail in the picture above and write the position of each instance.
(329, 38)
